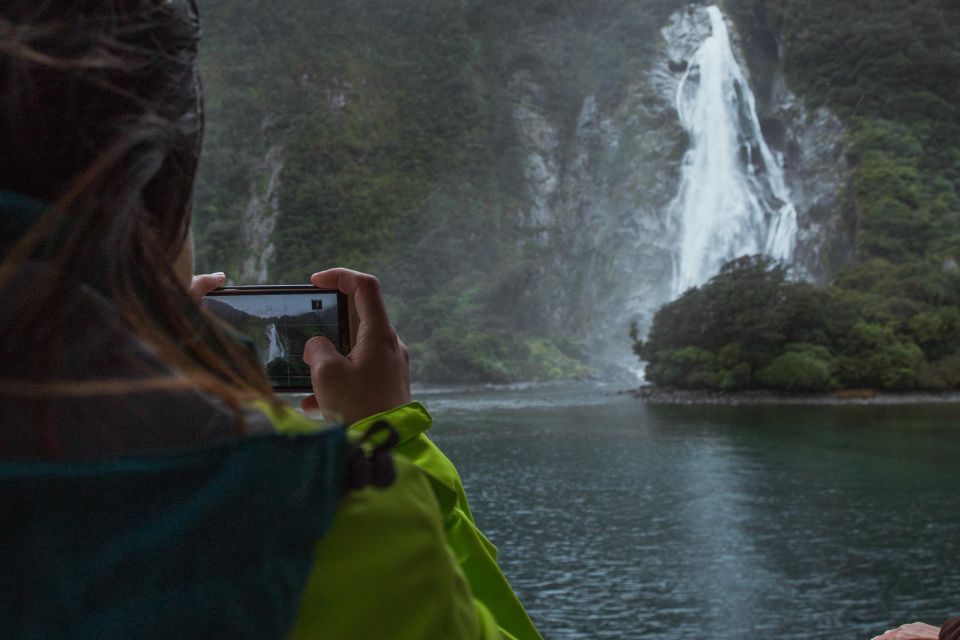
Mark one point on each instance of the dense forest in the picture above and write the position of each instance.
(380, 136)
(751, 326)
(890, 320)
(403, 139)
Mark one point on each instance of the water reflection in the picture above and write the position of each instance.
(621, 520)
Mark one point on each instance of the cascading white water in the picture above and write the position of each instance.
(732, 200)
(275, 350)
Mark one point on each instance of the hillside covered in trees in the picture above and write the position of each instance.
(382, 136)
(504, 168)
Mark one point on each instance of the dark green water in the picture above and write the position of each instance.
(617, 519)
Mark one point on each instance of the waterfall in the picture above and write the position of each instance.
(275, 350)
(732, 199)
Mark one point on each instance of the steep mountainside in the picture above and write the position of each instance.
(487, 161)
(508, 168)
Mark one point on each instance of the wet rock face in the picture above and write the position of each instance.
(682, 36)
(597, 190)
(540, 138)
(817, 172)
(259, 218)
(814, 150)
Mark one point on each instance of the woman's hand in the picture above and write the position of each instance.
(203, 284)
(913, 631)
(375, 376)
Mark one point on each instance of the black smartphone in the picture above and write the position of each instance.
(279, 319)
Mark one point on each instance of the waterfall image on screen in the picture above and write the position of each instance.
(279, 326)
(732, 200)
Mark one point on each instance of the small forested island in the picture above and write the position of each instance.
(880, 326)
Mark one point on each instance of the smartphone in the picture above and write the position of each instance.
(279, 319)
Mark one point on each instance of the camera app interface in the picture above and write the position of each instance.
(280, 325)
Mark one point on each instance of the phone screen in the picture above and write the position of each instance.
(279, 320)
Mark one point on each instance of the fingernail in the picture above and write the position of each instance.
(220, 274)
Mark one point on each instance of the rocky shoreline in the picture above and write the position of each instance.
(658, 395)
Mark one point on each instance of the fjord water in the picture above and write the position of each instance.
(619, 519)
(732, 199)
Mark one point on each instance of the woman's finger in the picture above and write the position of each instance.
(913, 631)
(365, 289)
(203, 284)
(309, 404)
(320, 350)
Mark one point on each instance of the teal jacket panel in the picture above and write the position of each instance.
(212, 542)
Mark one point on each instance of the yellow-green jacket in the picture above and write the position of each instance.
(407, 561)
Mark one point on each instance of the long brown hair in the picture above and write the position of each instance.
(101, 118)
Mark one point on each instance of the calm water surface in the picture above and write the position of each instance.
(617, 519)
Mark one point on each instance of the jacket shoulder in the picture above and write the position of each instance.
(384, 570)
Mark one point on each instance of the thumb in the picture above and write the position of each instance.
(310, 404)
(203, 284)
(319, 349)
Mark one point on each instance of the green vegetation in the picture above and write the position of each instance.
(400, 156)
(752, 327)
(890, 70)
(889, 321)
